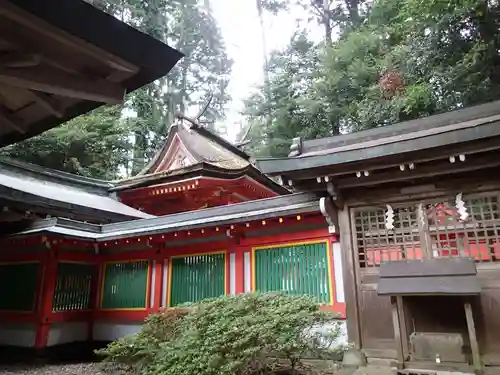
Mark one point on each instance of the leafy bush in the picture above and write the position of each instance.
(238, 335)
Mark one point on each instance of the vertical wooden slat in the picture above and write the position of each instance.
(197, 277)
(296, 269)
(476, 357)
(125, 285)
(73, 287)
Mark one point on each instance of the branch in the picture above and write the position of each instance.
(205, 107)
(243, 139)
(320, 12)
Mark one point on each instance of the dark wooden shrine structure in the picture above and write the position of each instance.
(418, 208)
(59, 59)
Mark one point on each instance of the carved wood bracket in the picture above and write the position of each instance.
(329, 211)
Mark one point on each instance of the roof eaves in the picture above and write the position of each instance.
(401, 128)
(54, 174)
(463, 132)
(154, 57)
(253, 210)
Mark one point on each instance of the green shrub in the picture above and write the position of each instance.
(236, 335)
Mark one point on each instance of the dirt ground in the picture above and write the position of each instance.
(54, 369)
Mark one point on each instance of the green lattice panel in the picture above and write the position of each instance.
(73, 287)
(125, 285)
(18, 284)
(297, 269)
(198, 277)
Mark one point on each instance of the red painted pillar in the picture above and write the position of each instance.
(94, 294)
(239, 269)
(47, 289)
(158, 284)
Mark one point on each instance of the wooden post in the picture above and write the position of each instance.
(476, 358)
(423, 229)
(404, 328)
(46, 298)
(397, 331)
(350, 282)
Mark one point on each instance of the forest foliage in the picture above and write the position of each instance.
(377, 62)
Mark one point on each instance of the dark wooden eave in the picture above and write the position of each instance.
(451, 145)
(429, 134)
(224, 215)
(429, 277)
(60, 59)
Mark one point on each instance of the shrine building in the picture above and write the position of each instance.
(396, 228)
(91, 259)
(417, 206)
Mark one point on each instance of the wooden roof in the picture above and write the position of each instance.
(429, 277)
(41, 190)
(191, 150)
(356, 150)
(60, 58)
(225, 215)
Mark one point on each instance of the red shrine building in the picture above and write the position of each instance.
(220, 227)
(90, 259)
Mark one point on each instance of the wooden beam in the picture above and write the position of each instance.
(56, 82)
(19, 60)
(63, 38)
(350, 276)
(417, 158)
(436, 169)
(476, 357)
(397, 331)
(50, 104)
(6, 117)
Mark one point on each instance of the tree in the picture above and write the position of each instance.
(285, 99)
(93, 145)
(393, 61)
(187, 25)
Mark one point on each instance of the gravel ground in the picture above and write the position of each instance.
(58, 369)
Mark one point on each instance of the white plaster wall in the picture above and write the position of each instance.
(110, 331)
(22, 335)
(65, 333)
(338, 273)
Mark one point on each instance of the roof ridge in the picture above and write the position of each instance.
(207, 133)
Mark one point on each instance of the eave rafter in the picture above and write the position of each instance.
(335, 182)
(51, 68)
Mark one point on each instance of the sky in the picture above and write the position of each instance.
(239, 22)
